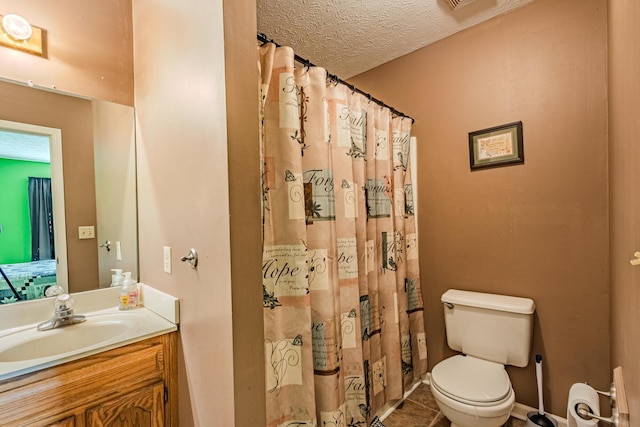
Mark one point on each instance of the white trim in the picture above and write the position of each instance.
(59, 219)
(57, 189)
(413, 158)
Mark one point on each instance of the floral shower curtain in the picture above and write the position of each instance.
(343, 312)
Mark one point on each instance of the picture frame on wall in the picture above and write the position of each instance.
(496, 146)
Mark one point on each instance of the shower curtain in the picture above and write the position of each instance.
(343, 311)
(41, 215)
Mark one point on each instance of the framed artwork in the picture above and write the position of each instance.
(496, 146)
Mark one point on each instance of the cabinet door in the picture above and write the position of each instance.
(140, 408)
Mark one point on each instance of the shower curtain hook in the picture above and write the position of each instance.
(263, 39)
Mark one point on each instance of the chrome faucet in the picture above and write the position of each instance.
(63, 314)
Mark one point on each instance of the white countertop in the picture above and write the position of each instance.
(159, 316)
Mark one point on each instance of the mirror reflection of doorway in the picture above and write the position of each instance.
(32, 221)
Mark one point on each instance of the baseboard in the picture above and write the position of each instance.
(388, 408)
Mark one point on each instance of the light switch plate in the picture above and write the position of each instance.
(86, 232)
(167, 259)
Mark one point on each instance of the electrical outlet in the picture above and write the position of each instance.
(167, 259)
(86, 232)
(118, 251)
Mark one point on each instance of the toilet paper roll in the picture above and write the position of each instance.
(582, 393)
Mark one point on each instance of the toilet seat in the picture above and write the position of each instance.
(472, 381)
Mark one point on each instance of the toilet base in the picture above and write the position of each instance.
(456, 425)
(462, 415)
(466, 420)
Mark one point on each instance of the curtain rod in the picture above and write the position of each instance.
(264, 39)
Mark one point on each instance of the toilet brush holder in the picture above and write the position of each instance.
(538, 418)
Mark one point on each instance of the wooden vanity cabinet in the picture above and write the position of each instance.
(135, 385)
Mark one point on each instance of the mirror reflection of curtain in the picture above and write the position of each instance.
(343, 311)
(41, 214)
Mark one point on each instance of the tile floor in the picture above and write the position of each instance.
(421, 410)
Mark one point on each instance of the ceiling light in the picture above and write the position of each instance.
(17, 27)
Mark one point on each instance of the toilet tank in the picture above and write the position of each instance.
(489, 326)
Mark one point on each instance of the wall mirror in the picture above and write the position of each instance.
(88, 165)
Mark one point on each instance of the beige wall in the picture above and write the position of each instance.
(183, 189)
(538, 230)
(244, 198)
(88, 48)
(624, 161)
(74, 117)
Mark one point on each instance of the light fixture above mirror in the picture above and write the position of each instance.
(18, 33)
(17, 27)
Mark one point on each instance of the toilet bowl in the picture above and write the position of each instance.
(472, 392)
(473, 389)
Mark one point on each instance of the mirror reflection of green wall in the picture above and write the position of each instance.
(15, 238)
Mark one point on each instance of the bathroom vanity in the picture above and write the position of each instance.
(131, 385)
(114, 368)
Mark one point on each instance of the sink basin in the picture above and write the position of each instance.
(24, 349)
(33, 344)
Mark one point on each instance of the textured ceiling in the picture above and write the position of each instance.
(348, 37)
(24, 146)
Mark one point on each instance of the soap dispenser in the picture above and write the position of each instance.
(128, 293)
(117, 278)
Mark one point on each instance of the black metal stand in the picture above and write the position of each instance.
(4, 276)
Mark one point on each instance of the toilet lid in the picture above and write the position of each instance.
(469, 379)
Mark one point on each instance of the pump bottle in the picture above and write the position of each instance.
(117, 278)
(128, 293)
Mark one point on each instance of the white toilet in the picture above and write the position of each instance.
(473, 389)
